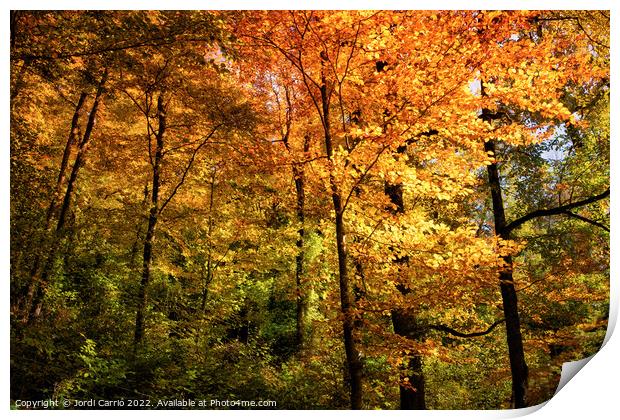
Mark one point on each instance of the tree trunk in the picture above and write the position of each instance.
(81, 155)
(303, 290)
(412, 392)
(53, 207)
(302, 307)
(209, 274)
(518, 367)
(36, 292)
(353, 358)
(147, 256)
(133, 253)
(73, 134)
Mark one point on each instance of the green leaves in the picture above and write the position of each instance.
(244, 253)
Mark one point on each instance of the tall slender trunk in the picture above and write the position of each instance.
(133, 253)
(302, 286)
(73, 135)
(302, 307)
(147, 255)
(514, 339)
(209, 274)
(412, 394)
(80, 159)
(354, 362)
(518, 367)
(53, 207)
(39, 282)
(353, 358)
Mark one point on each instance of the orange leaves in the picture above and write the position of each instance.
(373, 83)
(507, 247)
(428, 61)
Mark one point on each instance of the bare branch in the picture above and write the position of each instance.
(553, 211)
(188, 167)
(456, 333)
(585, 219)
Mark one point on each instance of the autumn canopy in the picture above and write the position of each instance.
(351, 209)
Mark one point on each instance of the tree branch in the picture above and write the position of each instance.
(454, 332)
(188, 167)
(553, 211)
(585, 219)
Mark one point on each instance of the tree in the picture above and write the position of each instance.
(552, 108)
(313, 208)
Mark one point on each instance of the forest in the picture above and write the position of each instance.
(314, 209)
